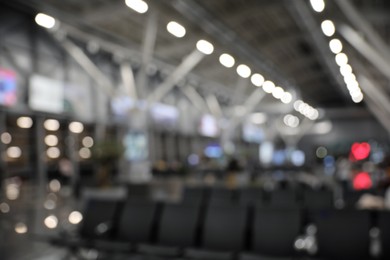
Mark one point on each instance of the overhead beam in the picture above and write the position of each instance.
(128, 80)
(147, 52)
(195, 98)
(368, 51)
(360, 22)
(227, 37)
(302, 15)
(85, 62)
(214, 106)
(178, 74)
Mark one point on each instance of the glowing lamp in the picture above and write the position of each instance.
(360, 151)
(362, 181)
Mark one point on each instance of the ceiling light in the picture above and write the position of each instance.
(176, 29)
(357, 99)
(257, 80)
(297, 104)
(76, 127)
(345, 69)
(258, 118)
(51, 124)
(349, 78)
(24, 122)
(318, 5)
(328, 28)
(243, 71)
(314, 114)
(286, 98)
(205, 47)
(356, 92)
(268, 86)
(335, 46)
(51, 140)
(227, 60)
(45, 20)
(138, 5)
(291, 121)
(341, 59)
(277, 92)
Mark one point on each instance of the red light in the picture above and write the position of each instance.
(360, 151)
(362, 181)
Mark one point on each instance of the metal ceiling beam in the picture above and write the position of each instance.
(178, 74)
(195, 98)
(304, 18)
(364, 48)
(149, 43)
(227, 37)
(214, 106)
(128, 80)
(85, 62)
(360, 22)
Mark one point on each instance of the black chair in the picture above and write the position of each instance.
(177, 229)
(139, 191)
(284, 199)
(274, 232)
(195, 195)
(223, 233)
(99, 218)
(343, 234)
(251, 196)
(318, 199)
(221, 196)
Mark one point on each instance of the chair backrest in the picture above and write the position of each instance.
(384, 228)
(178, 225)
(221, 196)
(343, 234)
(224, 228)
(194, 195)
(139, 191)
(251, 196)
(275, 231)
(137, 221)
(318, 199)
(284, 199)
(99, 216)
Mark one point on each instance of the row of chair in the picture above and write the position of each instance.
(227, 231)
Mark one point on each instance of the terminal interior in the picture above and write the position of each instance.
(183, 129)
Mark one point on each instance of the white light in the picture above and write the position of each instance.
(277, 92)
(12, 191)
(87, 141)
(176, 29)
(323, 127)
(328, 28)
(341, 59)
(14, 152)
(51, 221)
(54, 185)
(258, 118)
(257, 80)
(49, 204)
(85, 153)
(303, 107)
(76, 127)
(349, 78)
(205, 47)
(51, 140)
(53, 152)
(286, 98)
(335, 46)
(318, 5)
(291, 121)
(345, 69)
(321, 152)
(138, 5)
(4, 207)
(21, 228)
(297, 104)
(6, 138)
(75, 217)
(357, 99)
(314, 114)
(24, 122)
(243, 71)
(356, 93)
(227, 60)
(45, 20)
(51, 125)
(352, 85)
(268, 86)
